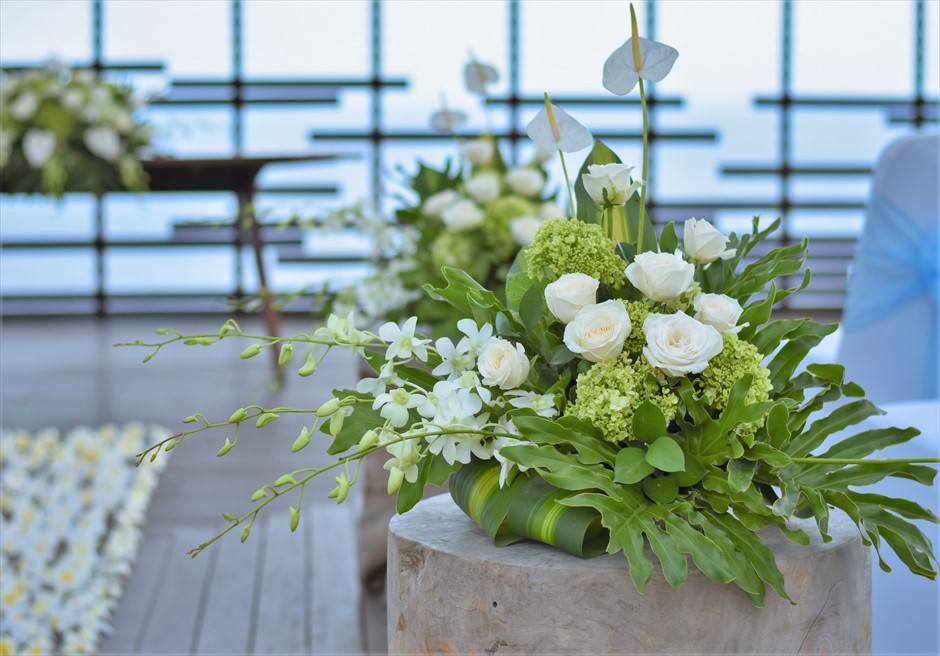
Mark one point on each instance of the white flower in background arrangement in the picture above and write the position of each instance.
(437, 203)
(597, 332)
(468, 380)
(341, 329)
(720, 311)
(38, 146)
(463, 215)
(479, 152)
(475, 337)
(555, 129)
(402, 343)
(541, 155)
(703, 243)
(552, 210)
(454, 359)
(483, 187)
(679, 344)
(503, 364)
(570, 294)
(477, 76)
(72, 99)
(637, 58)
(610, 184)
(660, 276)
(447, 121)
(523, 229)
(542, 404)
(103, 142)
(525, 181)
(455, 411)
(377, 385)
(396, 404)
(24, 107)
(506, 465)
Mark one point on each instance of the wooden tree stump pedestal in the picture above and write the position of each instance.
(450, 591)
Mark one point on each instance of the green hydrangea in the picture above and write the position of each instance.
(738, 358)
(499, 214)
(461, 250)
(638, 311)
(570, 246)
(608, 394)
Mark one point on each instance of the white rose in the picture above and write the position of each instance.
(503, 364)
(478, 152)
(24, 107)
(72, 99)
(483, 187)
(526, 181)
(103, 142)
(660, 276)
(570, 294)
(437, 203)
(462, 215)
(719, 311)
(38, 146)
(523, 229)
(614, 178)
(552, 210)
(703, 243)
(597, 332)
(679, 344)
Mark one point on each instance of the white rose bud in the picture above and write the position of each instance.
(38, 146)
(703, 243)
(719, 311)
(437, 203)
(597, 332)
(660, 276)
(103, 142)
(612, 178)
(478, 152)
(503, 364)
(552, 210)
(462, 215)
(679, 344)
(526, 181)
(570, 294)
(523, 229)
(483, 187)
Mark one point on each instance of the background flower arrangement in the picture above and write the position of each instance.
(69, 131)
(624, 390)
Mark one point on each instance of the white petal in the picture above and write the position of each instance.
(477, 76)
(447, 121)
(572, 135)
(38, 146)
(619, 72)
(657, 59)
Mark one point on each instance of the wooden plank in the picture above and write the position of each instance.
(281, 613)
(172, 621)
(374, 623)
(335, 573)
(138, 594)
(227, 618)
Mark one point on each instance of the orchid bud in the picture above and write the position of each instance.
(302, 440)
(266, 419)
(310, 366)
(342, 488)
(251, 351)
(328, 408)
(336, 423)
(294, 519)
(395, 478)
(370, 439)
(286, 479)
(228, 446)
(237, 416)
(259, 494)
(286, 352)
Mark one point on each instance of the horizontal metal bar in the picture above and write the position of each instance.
(777, 170)
(288, 82)
(760, 204)
(652, 101)
(673, 135)
(842, 102)
(169, 102)
(143, 66)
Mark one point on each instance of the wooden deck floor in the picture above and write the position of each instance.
(275, 594)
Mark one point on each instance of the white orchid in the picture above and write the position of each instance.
(554, 129)
(456, 411)
(373, 386)
(476, 337)
(396, 404)
(507, 465)
(454, 359)
(402, 343)
(542, 404)
(637, 58)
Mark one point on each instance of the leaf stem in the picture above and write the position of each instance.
(567, 183)
(865, 461)
(639, 243)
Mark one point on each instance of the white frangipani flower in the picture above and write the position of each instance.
(637, 58)
(402, 343)
(554, 129)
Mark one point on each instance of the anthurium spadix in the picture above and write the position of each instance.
(637, 58)
(555, 129)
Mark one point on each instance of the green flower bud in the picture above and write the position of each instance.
(342, 488)
(237, 416)
(328, 408)
(286, 352)
(286, 479)
(310, 366)
(191, 419)
(246, 533)
(251, 351)
(162, 331)
(169, 446)
(259, 494)
(228, 446)
(294, 519)
(266, 419)
(229, 517)
(395, 478)
(302, 440)
(336, 423)
(370, 439)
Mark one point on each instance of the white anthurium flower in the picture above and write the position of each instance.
(570, 294)
(396, 404)
(598, 332)
(554, 129)
(435, 204)
(542, 404)
(506, 465)
(720, 311)
(477, 76)
(38, 146)
(447, 120)
(479, 152)
(525, 181)
(703, 243)
(552, 210)
(484, 187)
(476, 337)
(103, 142)
(402, 343)
(523, 229)
(455, 411)
(612, 181)
(463, 215)
(679, 344)
(660, 276)
(503, 364)
(454, 359)
(621, 73)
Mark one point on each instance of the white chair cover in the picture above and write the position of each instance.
(891, 322)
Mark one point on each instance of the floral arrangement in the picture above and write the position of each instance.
(69, 131)
(474, 215)
(71, 511)
(623, 390)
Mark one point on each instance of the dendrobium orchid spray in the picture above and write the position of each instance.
(625, 389)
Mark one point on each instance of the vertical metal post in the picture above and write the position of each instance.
(785, 117)
(919, 45)
(97, 32)
(237, 131)
(514, 36)
(651, 116)
(376, 115)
